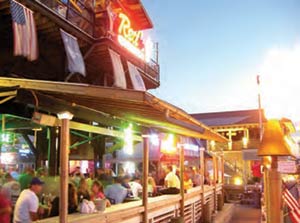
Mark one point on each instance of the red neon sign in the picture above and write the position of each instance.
(129, 38)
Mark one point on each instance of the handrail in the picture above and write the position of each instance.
(160, 208)
(86, 20)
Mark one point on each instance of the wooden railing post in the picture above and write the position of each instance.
(145, 176)
(182, 181)
(202, 172)
(215, 168)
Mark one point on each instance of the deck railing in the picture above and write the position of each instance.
(160, 209)
(93, 20)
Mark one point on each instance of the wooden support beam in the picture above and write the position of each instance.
(41, 145)
(145, 176)
(52, 151)
(49, 120)
(64, 166)
(182, 180)
(215, 168)
(54, 105)
(202, 173)
(99, 151)
(74, 89)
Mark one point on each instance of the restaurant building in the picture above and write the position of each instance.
(242, 130)
(78, 85)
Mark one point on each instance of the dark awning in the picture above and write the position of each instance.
(134, 106)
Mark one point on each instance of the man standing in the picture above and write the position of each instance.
(27, 206)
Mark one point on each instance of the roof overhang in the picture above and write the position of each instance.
(138, 107)
(136, 11)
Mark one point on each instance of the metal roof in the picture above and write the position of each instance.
(229, 118)
(134, 106)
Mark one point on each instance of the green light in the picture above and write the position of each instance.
(128, 140)
(6, 137)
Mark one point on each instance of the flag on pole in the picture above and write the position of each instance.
(294, 208)
(74, 56)
(136, 79)
(258, 79)
(25, 36)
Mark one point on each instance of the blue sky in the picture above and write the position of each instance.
(212, 50)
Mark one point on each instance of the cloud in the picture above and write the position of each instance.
(280, 82)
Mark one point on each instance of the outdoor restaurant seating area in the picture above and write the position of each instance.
(84, 188)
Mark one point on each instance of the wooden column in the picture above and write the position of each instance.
(99, 151)
(145, 176)
(64, 165)
(52, 151)
(182, 180)
(58, 146)
(41, 146)
(202, 172)
(215, 168)
(223, 168)
(274, 193)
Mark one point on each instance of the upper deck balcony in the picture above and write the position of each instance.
(96, 25)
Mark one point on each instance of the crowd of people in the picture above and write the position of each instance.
(24, 198)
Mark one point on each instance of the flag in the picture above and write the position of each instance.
(258, 79)
(292, 203)
(119, 74)
(74, 56)
(111, 17)
(25, 36)
(136, 79)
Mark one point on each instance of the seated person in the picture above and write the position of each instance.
(98, 193)
(136, 186)
(72, 202)
(187, 182)
(83, 192)
(151, 186)
(116, 193)
(27, 208)
(172, 182)
(125, 183)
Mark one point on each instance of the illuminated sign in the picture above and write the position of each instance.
(127, 32)
(168, 145)
(129, 38)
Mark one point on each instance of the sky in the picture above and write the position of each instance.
(210, 52)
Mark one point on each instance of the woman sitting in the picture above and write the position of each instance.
(98, 192)
(83, 192)
(72, 202)
(187, 182)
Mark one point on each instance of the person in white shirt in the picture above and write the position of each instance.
(27, 206)
(135, 186)
(172, 182)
